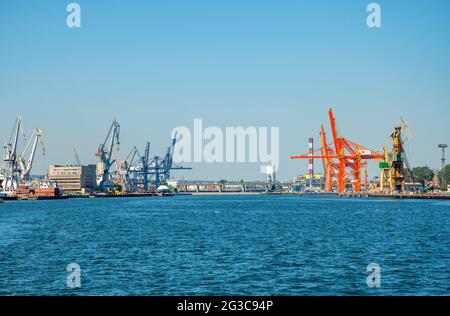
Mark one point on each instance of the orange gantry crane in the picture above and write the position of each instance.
(342, 160)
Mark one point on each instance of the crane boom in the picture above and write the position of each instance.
(77, 158)
(334, 130)
(27, 165)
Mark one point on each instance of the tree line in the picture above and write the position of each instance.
(425, 174)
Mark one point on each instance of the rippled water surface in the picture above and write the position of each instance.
(225, 245)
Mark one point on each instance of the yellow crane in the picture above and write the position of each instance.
(393, 172)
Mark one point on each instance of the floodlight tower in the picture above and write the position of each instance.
(443, 160)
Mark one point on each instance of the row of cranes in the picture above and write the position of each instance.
(137, 173)
(345, 162)
(18, 160)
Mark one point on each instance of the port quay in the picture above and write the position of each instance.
(344, 174)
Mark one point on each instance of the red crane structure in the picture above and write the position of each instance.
(343, 160)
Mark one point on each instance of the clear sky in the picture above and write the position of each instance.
(155, 65)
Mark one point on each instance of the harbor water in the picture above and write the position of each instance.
(225, 245)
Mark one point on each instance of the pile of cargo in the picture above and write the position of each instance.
(24, 192)
(46, 192)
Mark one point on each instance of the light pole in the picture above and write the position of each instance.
(443, 176)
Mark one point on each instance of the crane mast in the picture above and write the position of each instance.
(106, 157)
(145, 166)
(12, 167)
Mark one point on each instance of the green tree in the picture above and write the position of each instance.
(446, 172)
(422, 174)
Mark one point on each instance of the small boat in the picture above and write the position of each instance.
(164, 190)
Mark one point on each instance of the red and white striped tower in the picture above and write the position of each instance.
(311, 161)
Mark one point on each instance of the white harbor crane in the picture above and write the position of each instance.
(27, 164)
(16, 166)
(11, 167)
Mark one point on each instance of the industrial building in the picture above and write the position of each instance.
(304, 183)
(73, 179)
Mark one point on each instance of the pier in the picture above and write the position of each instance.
(397, 196)
(199, 187)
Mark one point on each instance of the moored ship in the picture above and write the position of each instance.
(37, 191)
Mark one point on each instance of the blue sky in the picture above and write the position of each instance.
(155, 65)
